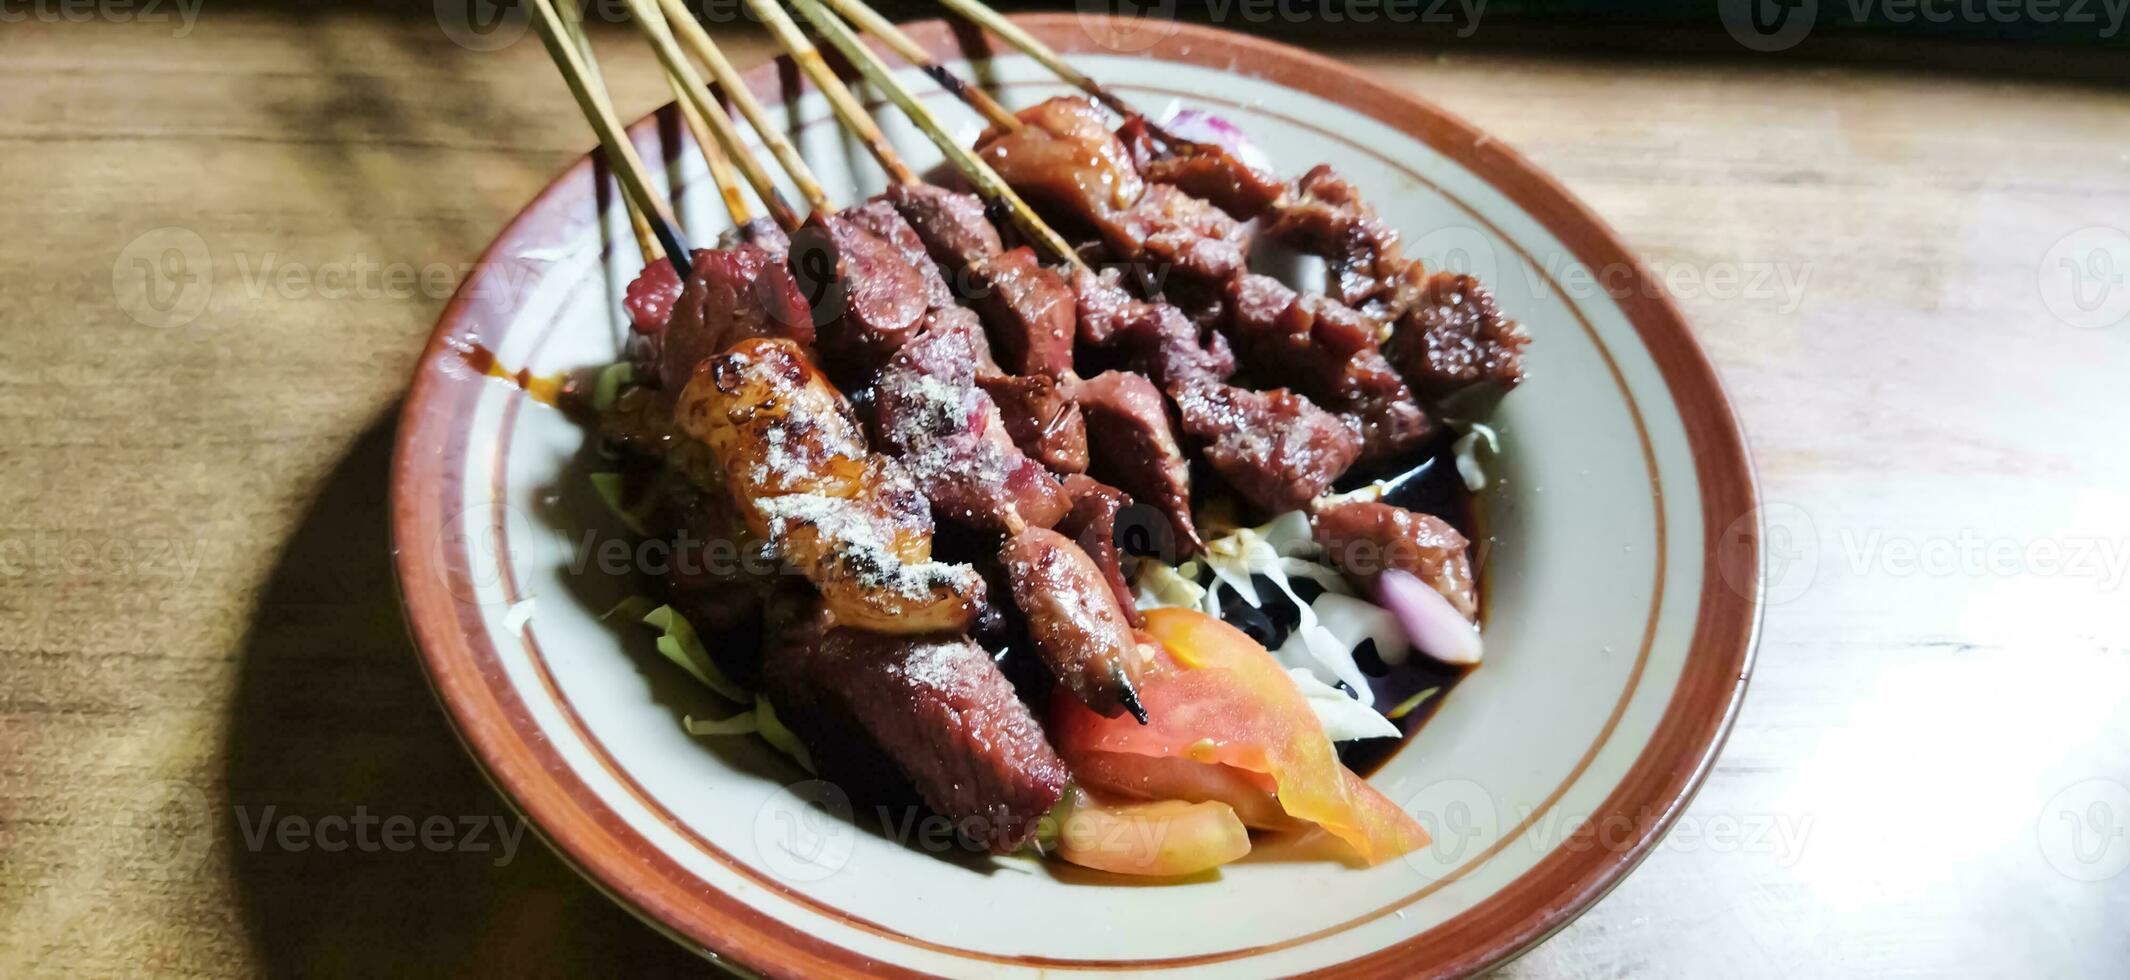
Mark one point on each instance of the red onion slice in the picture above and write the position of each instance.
(1434, 626)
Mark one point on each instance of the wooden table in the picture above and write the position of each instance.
(197, 620)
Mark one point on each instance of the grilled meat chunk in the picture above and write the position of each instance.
(1030, 310)
(1364, 539)
(1080, 632)
(1154, 339)
(1092, 524)
(1328, 352)
(1066, 162)
(937, 708)
(732, 295)
(1453, 337)
(1201, 170)
(1324, 215)
(1131, 446)
(1046, 425)
(877, 300)
(952, 226)
(948, 433)
(1274, 447)
(880, 218)
(1168, 227)
(795, 462)
(1070, 167)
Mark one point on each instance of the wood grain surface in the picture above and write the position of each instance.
(225, 240)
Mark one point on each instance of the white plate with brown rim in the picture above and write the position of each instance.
(1621, 583)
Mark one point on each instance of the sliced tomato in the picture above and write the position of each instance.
(1165, 839)
(1214, 696)
(1152, 777)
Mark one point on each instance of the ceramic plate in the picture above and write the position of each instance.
(1622, 575)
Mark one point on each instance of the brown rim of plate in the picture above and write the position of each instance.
(467, 673)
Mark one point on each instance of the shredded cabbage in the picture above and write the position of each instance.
(1466, 449)
(1343, 717)
(678, 641)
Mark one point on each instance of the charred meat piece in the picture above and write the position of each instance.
(877, 300)
(1328, 352)
(732, 295)
(843, 752)
(938, 709)
(1079, 630)
(948, 433)
(952, 226)
(1131, 446)
(962, 320)
(1453, 337)
(1201, 170)
(1170, 228)
(880, 218)
(795, 462)
(1274, 447)
(1324, 215)
(1154, 339)
(1066, 162)
(1364, 539)
(1030, 310)
(651, 295)
(1093, 525)
(1046, 425)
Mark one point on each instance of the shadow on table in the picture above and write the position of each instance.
(334, 719)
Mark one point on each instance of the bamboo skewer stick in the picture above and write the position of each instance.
(694, 91)
(991, 20)
(720, 166)
(620, 152)
(870, 21)
(846, 105)
(728, 78)
(573, 25)
(987, 181)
